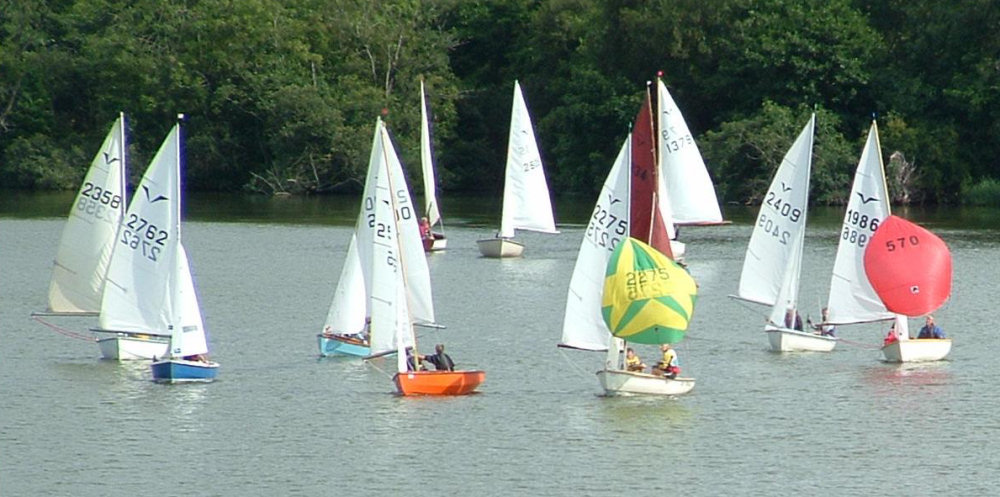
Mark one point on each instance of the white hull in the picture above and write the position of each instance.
(786, 340)
(917, 350)
(132, 348)
(617, 382)
(500, 247)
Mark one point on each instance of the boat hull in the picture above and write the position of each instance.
(438, 382)
(786, 340)
(500, 247)
(917, 350)
(334, 345)
(132, 347)
(437, 243)
(618, 382)
(182, 371)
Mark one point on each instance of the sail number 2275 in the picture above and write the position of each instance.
(139, 235)
(605, 228)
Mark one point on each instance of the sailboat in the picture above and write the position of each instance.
(526, 203)
(88, 238)
(692, 195)
(347, 322)
(773, 262)
(433, 240)
(149, 291)
(853, 299)
(632, 204)
(393, 241)
(895, 249)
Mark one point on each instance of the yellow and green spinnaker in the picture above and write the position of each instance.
(648, 298)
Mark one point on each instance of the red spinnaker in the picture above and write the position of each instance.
(909, 267)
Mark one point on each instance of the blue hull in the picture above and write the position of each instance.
(181, 371)
(334, 345)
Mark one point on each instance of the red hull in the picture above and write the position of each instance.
(438, 382)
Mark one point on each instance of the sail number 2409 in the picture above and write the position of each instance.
(605, 228)
(139, 234)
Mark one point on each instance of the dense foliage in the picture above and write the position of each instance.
(282, 94)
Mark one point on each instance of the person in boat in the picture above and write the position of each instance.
(793, 320)
(196, 358)
(823, 328)
(632, 361)
(892, 336)
(440, 360)
(668, 364)
(930, 330)
(425, 229)
(411, 364)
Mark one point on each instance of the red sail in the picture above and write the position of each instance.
(643, 185)
(909, 267)
(645, 219)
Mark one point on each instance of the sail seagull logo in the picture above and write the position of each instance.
(150, 198)
(865, 200)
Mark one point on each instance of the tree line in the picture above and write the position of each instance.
(282, 95)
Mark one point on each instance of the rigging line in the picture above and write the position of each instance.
(64, 331)
(572, 364)
(380, 370)
(860, 345)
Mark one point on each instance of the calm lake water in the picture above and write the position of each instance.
(279, 421)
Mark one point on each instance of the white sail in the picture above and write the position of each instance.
(771, 267)
(389, 301)
(427, 163)
(138, 292)
(583, 326)
(418, 276)
(88, 239)
(189, 337)
(852, 299)
(526, 203)
(349, 307)
(692, 194)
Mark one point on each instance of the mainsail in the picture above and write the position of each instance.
(773, 260)
(88, 239)
(526, 203)
(692, 194)
(852, 298)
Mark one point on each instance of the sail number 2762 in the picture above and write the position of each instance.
(138, 234)
(605, 228)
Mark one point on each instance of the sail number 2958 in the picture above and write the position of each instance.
(138, 234)
(605, 228)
